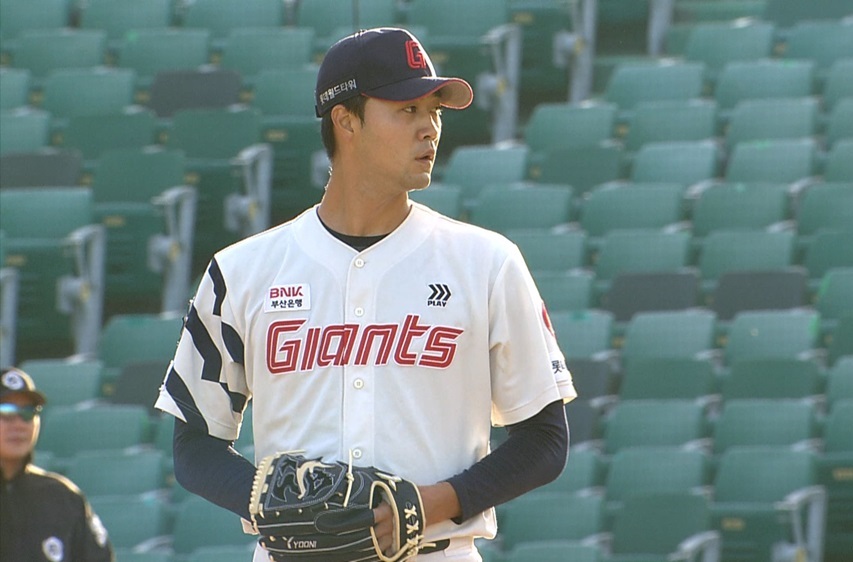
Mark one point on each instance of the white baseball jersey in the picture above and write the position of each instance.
(403, 354)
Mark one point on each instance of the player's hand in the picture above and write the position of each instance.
(383, 526)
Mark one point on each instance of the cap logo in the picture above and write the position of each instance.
(13, 381)
(414, 55)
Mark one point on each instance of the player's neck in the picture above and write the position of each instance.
(362, 212)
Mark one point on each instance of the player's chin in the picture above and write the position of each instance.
(419, 181)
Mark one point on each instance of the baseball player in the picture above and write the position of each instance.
(372, 328)
(43, 516)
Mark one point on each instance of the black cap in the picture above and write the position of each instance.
(385, 63)
(15, 381)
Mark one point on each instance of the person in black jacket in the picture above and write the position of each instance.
(43, 516)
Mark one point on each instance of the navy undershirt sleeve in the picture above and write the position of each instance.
(533, 454)
(211, 468)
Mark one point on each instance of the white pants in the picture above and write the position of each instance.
(460, 550)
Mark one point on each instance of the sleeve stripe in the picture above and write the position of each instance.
(219, 288)
(233, 343)
(204, 345)
(182, 397)
(238, 401)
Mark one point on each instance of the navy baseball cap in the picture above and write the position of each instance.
(15, 381)
(386, 63)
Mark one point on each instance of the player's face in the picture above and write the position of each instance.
(399, 140)
(17, 433)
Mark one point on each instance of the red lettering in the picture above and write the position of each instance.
(289, 349)
(340, 354)
(286, 292)
(387, 332)
(440, 347)
(311, 342)
(414, 56)
(411, 330)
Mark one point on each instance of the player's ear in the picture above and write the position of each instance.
(343, 119)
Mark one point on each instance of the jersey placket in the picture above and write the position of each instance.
(358, 382)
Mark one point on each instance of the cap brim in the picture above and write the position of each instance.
(456, 93)
(37, 397)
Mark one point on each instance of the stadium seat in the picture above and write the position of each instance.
(68, 431)
(149, 51)
(839, 83)
(593, 378)
(45, 51)
(829, 249)
(668, 121)
(474, 167)
(133, 521)
(128, 338)
(582, 168)
(823, 42)
(94, 91)
(253, 50)
(839, 382)
(523, 206)
(839, 162)
(554, 551)
(329, 22)
(791, 334)
(554, 126)
(686, 163)
(173, 91)
(679, 333)
(631, 84)
(117, 472)
(564, 291)
(823, 206)
(220, 17)
(772, 379)
(138, 382)
(669, 378)
(122, 17)
(840, 340)
(65, 382)
(758, 289)
(725, 206)
(93, 135)
(23, 130)
(775, 118)
(745, 422)
(834, 298)
(631, 293)
(840, 124)
(787, 13)
(765, 498)
(698, 11)
(654, 423)
(664, 526)
(18, 16)
(550, 516)
(583, 334)
(834, 466)
(584, 472)
(585, 418)
(46, 167)
(199, 523)
(639, 251)
(716, 44)
(225, 553)
(550, 251)
(442, 198)
(773, 161)
(14, 88)
(767, 78)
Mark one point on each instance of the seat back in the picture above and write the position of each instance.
(131, 520)
(65, 383)
(88, 91)
(201, 133)
(530, 206)
(199, 523)
(653, 423)
(549, 516)
(726, 251)
(43, 51)
(777, 118)
(834, 298)
(715, 44)
(766, 78)
(563, 125)
(772, 379)
(654, 470)
(47, 167)
(222, 16)
(102, 473)
(680, 162)
(839, 162)
(93, 135)
(772, 334)
(737, 291)
(117, 17)
(149, 51)
(668, 378)
(474, 167)
(641, 251)
(174, 91)
(680, 333)
(620, 207)
(762, 474)
(739, 206)
(632, 293)
(251, 51)
(68, 431)
(565, 290)
(550, 251)
(17, 16)
(583, 333)
(633, 83)
(659, 523)
(763, 422)
(23, 130)
(668, 121)
(14, 88)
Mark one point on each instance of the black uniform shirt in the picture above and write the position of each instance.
(45, 518)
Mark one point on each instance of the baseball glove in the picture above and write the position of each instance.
(307, 510)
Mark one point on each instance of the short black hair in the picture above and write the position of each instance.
(354, 105)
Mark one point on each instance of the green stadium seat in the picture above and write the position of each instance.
(225, 553)
(550, 516)
(686, 163)
(840, 124)
(834, 467)
(784, 334)
(103, 473)
(716, 44)
(767, 78)
(839, 382)
(206, 87)
(631, 293)
(14, 88)
(654, 423)
(594, 378)
(839, 82)
(132, 520)
(18, 16)
(520, 207)
(840, 340)
(553, 126)
(550, 251)
(727, 206)
(221, 17)
(834, 298)
(745, 422)
(697, 11)
(581, 168)
(45, 51)
(584, 472)
(65, 382)
(565, 290)
(129, 338)
(680, 333)
(474, 167)
(757, 289)
(23, 130)
(199, 523)
(664, 527)
(631, 84)
(44, 167)
(329, 22)
(251, 51)
(125, 184)
(94, 135)
(829, 249)
(442, 198)
(788, 13)
(149, 51)
(94, 91)
(725, 251)
(585, 419)
(139, 382)
(772, 161)
(68, 431)
(823, 42)
(554, 551)
(583, 334)
(122, 17)
(760, 494)
(839, 162)
(668, 378)
(667, 121)
(639, 251)
(772, 379)
(823, 206)
(775, 118)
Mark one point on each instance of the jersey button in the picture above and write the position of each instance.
(359, 262)
(358, 384)
(359, 311)
(356, 453)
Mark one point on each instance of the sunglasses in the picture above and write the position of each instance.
(26, 413)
